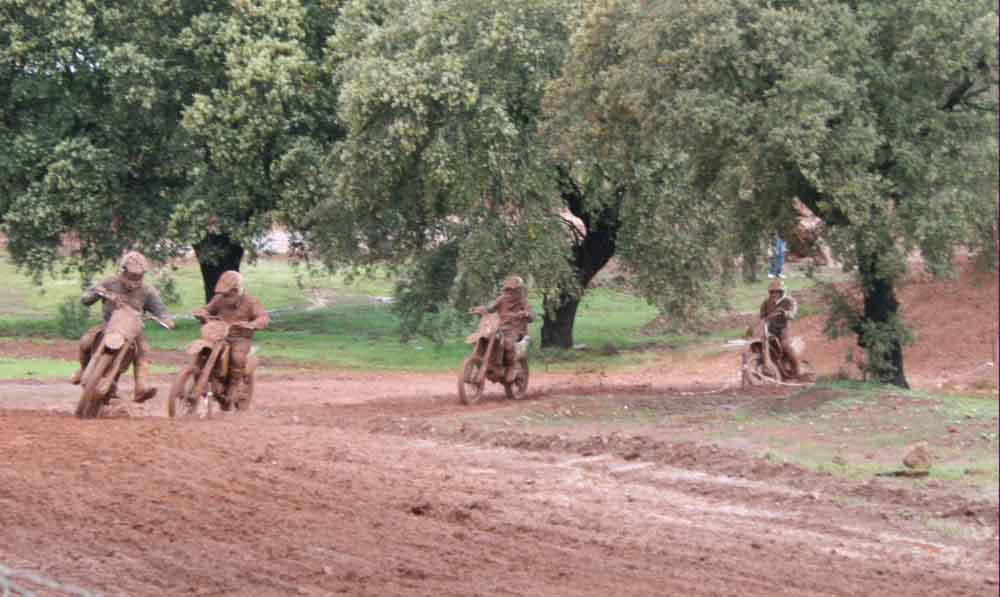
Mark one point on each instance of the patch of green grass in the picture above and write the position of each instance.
(276, 282)
(36, 368)
(364, 335)
(51, 369)
(848, 429)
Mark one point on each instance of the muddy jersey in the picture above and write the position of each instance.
(787, 304)
(507, 307)
(142, 299)
(248, 309)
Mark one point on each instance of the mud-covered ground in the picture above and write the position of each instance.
(370, 484)
(342, 484)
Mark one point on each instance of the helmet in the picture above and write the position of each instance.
(513, 283)
(133, 262)
(776, 286)
(228, 281)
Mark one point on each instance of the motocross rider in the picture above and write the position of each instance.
(233, 305)
(127, 286)
(515, 314)
(778, 309)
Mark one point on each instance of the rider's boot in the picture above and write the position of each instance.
(510, 366)
(793, 360)
(235, 387)
(142, 390)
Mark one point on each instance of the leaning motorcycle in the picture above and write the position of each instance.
(113, 351)
(206, 381)
(486, 362)
(762, 366)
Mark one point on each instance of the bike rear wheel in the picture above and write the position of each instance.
(518, 389)
(469, 390)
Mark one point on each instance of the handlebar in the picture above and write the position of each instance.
(119, 300)
(164, 324)
(107, 295)
(237, 324)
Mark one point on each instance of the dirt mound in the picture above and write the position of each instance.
(954, 323)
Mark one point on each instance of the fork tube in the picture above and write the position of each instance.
(486, 359)
(207, 371)
(766, 347)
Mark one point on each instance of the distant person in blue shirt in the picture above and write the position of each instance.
(777, 258)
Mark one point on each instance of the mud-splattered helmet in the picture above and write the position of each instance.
(776, 286)
(132, 267)
(229, 281)
(513, 283)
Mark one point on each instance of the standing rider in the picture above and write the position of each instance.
(233, 305)
(128, 287)
(515, 314)
(778, 309)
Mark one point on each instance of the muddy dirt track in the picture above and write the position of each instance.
(347, 483)
(334, 485)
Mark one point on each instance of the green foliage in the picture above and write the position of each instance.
(423, 296)
(441, 101)
(153, 124)
(72, 318)
(879, 115)
(879, 339)
(167, 287)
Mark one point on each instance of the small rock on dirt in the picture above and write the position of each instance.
(918, 457)
(420, 509)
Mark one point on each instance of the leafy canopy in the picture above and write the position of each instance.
(881, 115)
(152, 124)
(441, 101)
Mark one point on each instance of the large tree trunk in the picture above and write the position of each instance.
(881, 307)
(592, 249)
(880, 304)
(217, 253)
(557, 328)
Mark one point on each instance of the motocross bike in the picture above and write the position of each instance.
(114, 349)
(486, 362)
(206, 381)
(772, 365)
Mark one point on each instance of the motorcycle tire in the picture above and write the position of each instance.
(245, 401)
(91, 400)
(761, 374)
(180, 402)
(470, 392)
(518, 389)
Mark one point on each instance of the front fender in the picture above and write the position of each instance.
(198, 346)
(113, 341)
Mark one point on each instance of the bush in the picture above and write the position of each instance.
(167, 288)
(73, 318)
